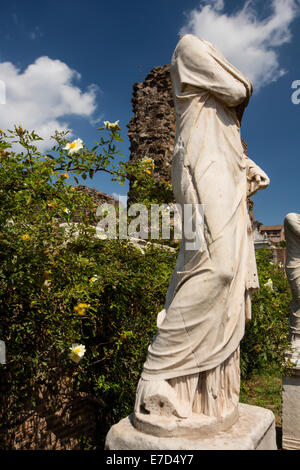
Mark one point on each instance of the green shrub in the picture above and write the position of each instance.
(266, 337)
(62, 287)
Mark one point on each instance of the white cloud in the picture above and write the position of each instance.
(247, 41)
(43, 96)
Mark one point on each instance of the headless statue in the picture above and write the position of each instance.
(191, 377)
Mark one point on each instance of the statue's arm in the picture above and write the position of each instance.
(256, 177)
(205, 67)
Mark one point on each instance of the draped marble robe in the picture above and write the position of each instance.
(193, 361)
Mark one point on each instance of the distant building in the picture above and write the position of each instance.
(260, 240)
(274, 233)
(269, 236)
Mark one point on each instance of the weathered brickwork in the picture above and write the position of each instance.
(152, 129)
(58, 421)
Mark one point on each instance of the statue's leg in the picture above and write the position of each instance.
(219, 388)
(216, 392)
(158, 397)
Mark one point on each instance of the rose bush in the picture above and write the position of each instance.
(79, 309)
(266, 338)
(62, 288)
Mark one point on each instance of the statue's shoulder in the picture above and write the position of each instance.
(190, 41)
(198, 42)
(292, 222)
(189, 37)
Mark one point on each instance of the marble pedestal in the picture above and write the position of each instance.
(254, 430)
(291, 411)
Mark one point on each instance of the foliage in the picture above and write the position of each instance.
(61, 285)
(144, 189)
(266, 338)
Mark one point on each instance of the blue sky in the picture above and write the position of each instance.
(68, 63)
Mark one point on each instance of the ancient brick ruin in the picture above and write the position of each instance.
(152, 129)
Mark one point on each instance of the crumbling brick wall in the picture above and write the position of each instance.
(48, 430)
(279, 255)
(152, 129)
(59, 419)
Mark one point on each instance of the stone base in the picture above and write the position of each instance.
(291, 411)
(255, 430)
(196, 426)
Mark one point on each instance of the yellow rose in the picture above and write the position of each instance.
(112, 125)
(74, 147)
(80, 309)
(25, 237)
(77, 352)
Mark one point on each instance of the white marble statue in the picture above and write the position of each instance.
(292, 236)
(192, 368)
(291, 382)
